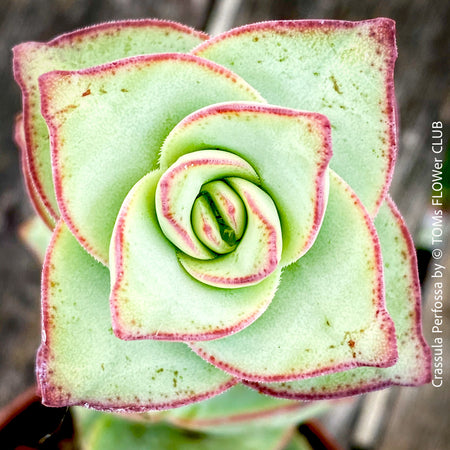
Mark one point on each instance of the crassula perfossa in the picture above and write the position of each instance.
(220, 213)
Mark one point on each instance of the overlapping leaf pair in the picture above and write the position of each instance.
(196, 218)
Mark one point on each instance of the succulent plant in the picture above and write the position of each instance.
(220, 213)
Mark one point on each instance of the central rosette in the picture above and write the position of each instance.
(199, 243)
(226, 227)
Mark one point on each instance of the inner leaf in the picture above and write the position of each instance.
(257, 254)
(210, 227)
(218, 217)
(179, 187)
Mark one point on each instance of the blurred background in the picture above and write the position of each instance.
(398, 418)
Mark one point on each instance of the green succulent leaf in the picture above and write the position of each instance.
(80, 49)
(103, 143)
(184, 208)
(328, 313)
(239, 409)
(229, 208)
(179, 187)
(153, 296)
(108, 431)
(35, 234)
(81, 362)
(209, 225)
(289, 150)
(258, 252)
(403, 303)
(33, 194)
(341, 69)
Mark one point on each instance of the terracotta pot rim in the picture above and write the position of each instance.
(18, 405)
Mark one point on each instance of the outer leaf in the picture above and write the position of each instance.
(35, 234)
(117, 136)
(403, 303)
(341, 69)
(154, 297)
(328, 314)
(112, 432)
(80, 361)
(33, 194)
(289, 150)
(240, 409)
(84, 48)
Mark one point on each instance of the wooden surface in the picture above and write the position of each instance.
(410, 418)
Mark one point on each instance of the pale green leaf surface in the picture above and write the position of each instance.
(341, 69)
(80, 361)
(33, 194)
(288, 149)
(115, 433)
(36, 236)
(153, 296)
(241, 408)
(84, 48)
(84, 421)
(328, 313)
(403, 304)
(103, 143)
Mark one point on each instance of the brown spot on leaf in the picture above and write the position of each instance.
(351, 344)
(335, 84)
(67, 109)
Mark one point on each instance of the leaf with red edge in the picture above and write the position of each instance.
(179, 187)
(117, 136)
(259, 251)
(33, 193)
(328, 313)
(338, 68)
(290, 151)
(81, 362)
(403, 304)
(153, 297)
(241, 408)
(84, 48)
